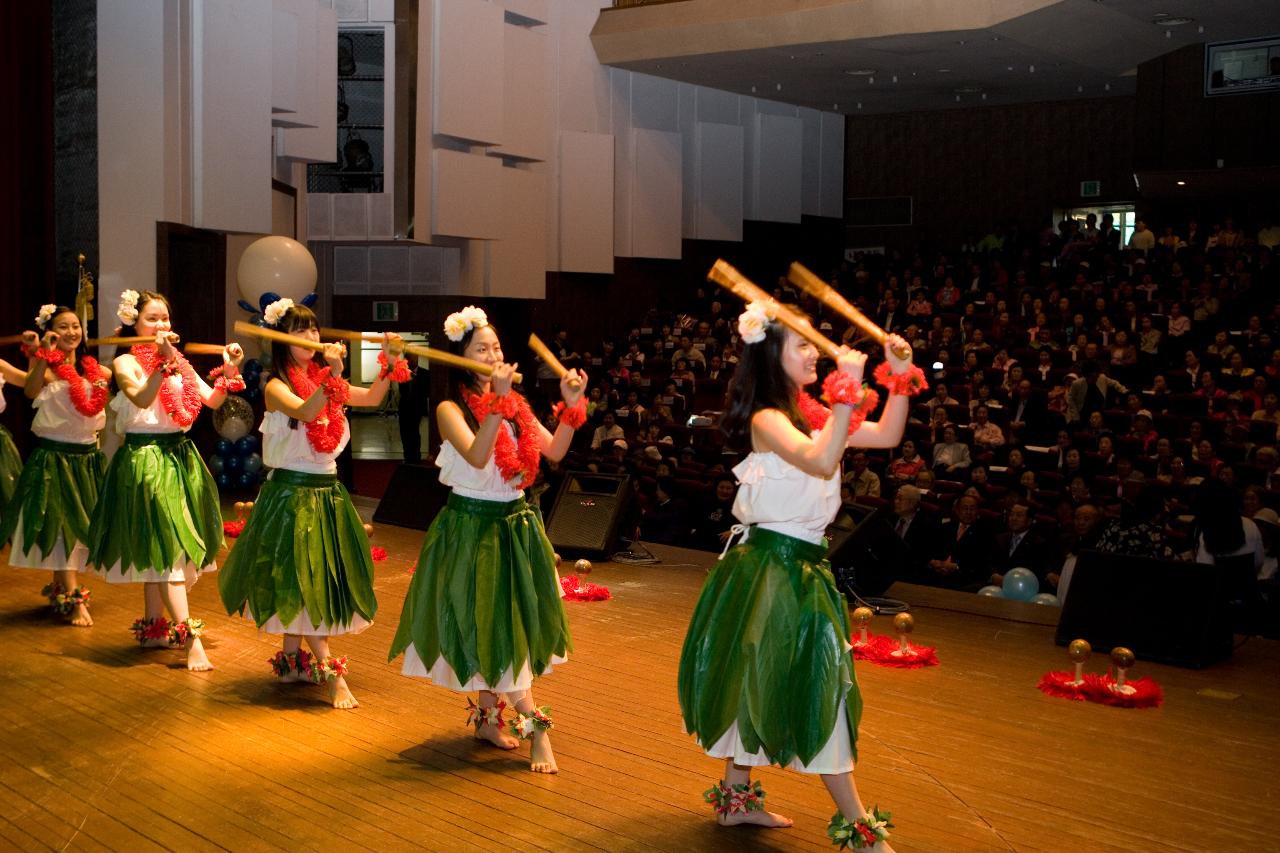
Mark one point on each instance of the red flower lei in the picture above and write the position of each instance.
(323, 433)
(182, 411)
(88, 404)
(513, 460)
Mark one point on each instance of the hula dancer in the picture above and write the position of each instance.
(766, 675)
(302, 567)
(483, 611)
(10, 461)
(48, 516)
(158, 521)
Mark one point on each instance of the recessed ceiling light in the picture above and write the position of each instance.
(860, 72)
(1182, 183)
(1171, 20)
(944, 70)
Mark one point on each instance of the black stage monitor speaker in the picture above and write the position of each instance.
(413, 497)
(864, 551)
(587, 513)
(1168, 611)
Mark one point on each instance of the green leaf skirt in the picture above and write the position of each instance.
(10, 466)
(158, 512)
(48, 515)
(302, 563)
(768, 649)
(484, 609)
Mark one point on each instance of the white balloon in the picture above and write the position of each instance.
(277, 264)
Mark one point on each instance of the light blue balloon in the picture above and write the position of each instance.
(1020, 584)
(991, 591)
(253, 463)
(1046, 598)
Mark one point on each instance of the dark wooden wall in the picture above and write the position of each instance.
(1176, 127)
(968, 169)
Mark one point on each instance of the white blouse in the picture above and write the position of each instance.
(57, 418)
(129, 418)
(283, 447)
(486, 484)
(778, 496)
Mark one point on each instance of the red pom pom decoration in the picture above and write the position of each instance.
(232, 528)
(880, 649)
(575, 590)
(1103, 689)
(571, 416)
(1062, 685)
(907, 384)
(377, 553)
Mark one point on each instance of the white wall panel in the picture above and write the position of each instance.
(286, 35)
(655, 198)
(316, 144)
(526, 93)
(720, 107)
(775, 168)
(810, 162)
(586, 202)
(518, 261)
(319, 216)
(382, 11)
(131, 144)
(231, 115)
(719, 181)
(831, 180)
(687, 117)
(467, 70)
(582, 83)
(467, 194)
(535, 10)
(653, 102)
(350, 216)
(620, 126)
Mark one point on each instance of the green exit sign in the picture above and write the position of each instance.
(1090, 189)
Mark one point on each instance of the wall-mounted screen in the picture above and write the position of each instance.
(1242, 67)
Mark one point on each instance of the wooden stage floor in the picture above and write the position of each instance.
(106, 746)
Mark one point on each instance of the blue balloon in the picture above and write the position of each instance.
(991, 591)
(253, 365)
(309, 299)
(248, 444)
(253, 463)
(233, 464)
(246, 306)
(223, 480)
(267, 298)
(247, 480)
(1020, 584)
(222, 447)
(1046, 598)
(215, 464)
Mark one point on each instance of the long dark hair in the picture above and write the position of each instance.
(298, 318)
(463, 381)
(1217, 510)
(760, 382)
(81, 349)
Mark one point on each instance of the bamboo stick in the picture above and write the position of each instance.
(548, 358)
(10, 340)
(443, 357)
(343, 334)
(725, 275)
(124, 341)
(243, 328)
(831, 297)
(203, 349)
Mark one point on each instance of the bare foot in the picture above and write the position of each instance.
(770, 820)
(155, 643)
(197, 661)
(340, 694)
(496, 736)
(289, 677)
(541, 758)
(80, 616)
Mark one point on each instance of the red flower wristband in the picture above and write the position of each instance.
(398, 370)
(842, 388)
(907, 384)
(51, 357)
(571, 416)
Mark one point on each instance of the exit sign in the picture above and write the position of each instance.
(1090, 189)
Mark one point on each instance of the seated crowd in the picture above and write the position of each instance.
(1082, 393)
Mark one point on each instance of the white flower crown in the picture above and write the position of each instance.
(127, 310)
(457, 324)
(274, 312)
(753, 321)
(45, 315)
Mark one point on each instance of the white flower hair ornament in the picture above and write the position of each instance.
(127, 310)
(753, 321)
(275, 312)
(45, 315)
(457, 324)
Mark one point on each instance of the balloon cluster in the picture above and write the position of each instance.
(237, 464)
(1020, 585)
(251, 372)
(271, 268)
